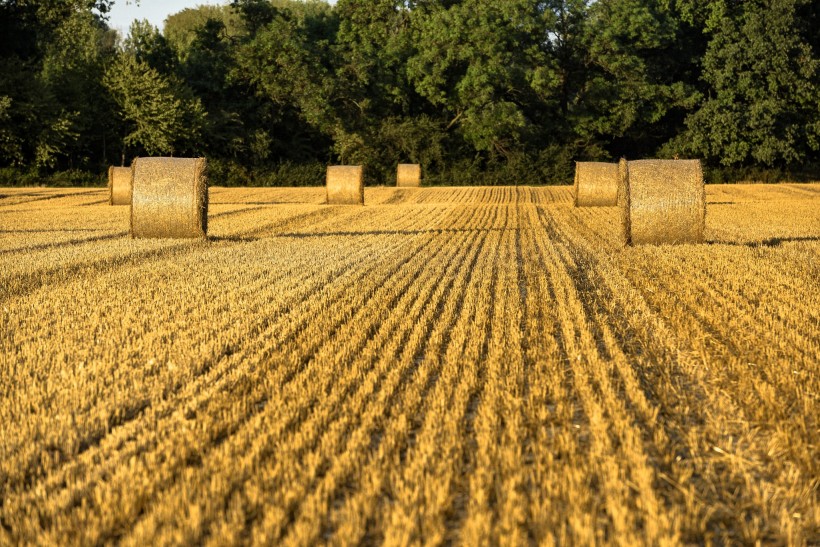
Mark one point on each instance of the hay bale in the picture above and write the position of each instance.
(345, 185)
(169, 198)
(119, 185)
(408, 175)
(662, 201)
(596, 184)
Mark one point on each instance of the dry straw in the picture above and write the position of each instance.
(596, 184)
(408, 175)
(345, 185)
(170, 197)
(662, 201)
(119, 185)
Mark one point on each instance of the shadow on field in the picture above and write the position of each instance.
(216, 202)
(300, 235)
(60, 244)
(771, 242)
(232, 239)
(50, 230)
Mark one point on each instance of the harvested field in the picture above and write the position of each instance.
(444, 364)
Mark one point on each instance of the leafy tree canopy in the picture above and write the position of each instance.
(474, 90)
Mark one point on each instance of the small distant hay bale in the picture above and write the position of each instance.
(169, 198)
(408, 175)
(662, 201)
(596, 184)
(119, 185)
(345, 185)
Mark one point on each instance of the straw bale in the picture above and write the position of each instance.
(596, 184)
(119, 185)
(345, 185)
(662, 201)
(408, 175)
(170, 198)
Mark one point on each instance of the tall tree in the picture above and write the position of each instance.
(148, 45)
(159, 116)
(289, 60)
(471, 63)
(763, 103)
(77, 129)
(641, 59)
(51, 54)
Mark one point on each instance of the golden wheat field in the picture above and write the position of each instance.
(441, 365)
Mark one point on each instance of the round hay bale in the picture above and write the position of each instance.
(596, 184)
(119, 185)
(345, 185)
(662, 201)
(408, 175)
(169, 198)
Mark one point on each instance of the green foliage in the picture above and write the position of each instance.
(75, 128)
(636, 54)
(181, 29)
(161, 116)
(145, 43)
(229, 173)
(764, 89)
(472, 62)
(476, 91)
(15, 176)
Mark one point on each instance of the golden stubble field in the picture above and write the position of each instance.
(475, 365)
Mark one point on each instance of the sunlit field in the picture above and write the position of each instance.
(468, 365)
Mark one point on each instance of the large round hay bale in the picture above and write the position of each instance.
(169, 198)
(408, 175)
(345, 185)
(119, 185)
(662, 201)
(596, 184)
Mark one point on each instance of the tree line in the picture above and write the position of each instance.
(476, 91)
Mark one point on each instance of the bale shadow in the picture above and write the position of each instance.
(231, 239)
(51, 230)
(300, 235)
(771, 242)
(266, 203)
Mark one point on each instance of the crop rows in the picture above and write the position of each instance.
(473, 365)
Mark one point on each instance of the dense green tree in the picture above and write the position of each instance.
(290, 62)
(27, 26)
(374, 104)
(183, 28)
(472, 63)
(763, 102)
(159, 116)
(235, 123)
(52, 56)
(77, 129)
(474, 90)
(148, 45)
(641, 59)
